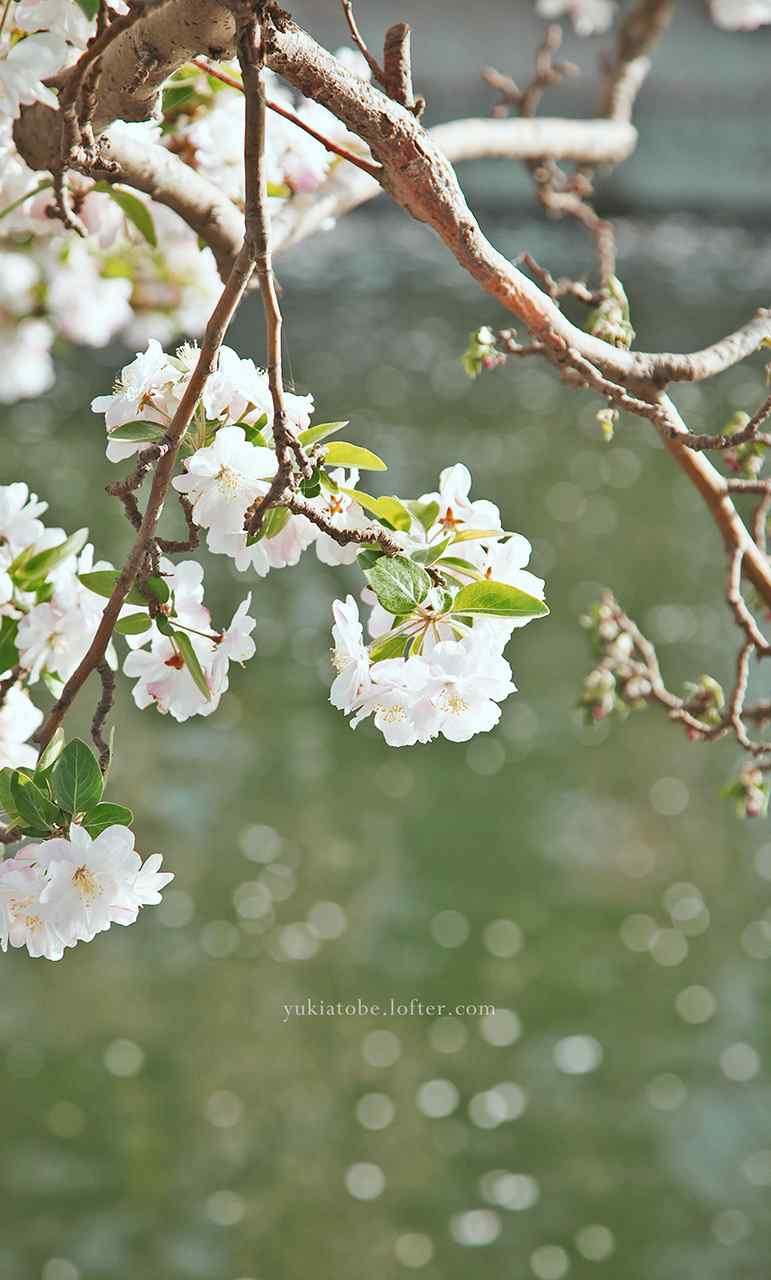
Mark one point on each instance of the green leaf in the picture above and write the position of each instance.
(191, 662)
(76, 778)
(51, 753)
(427, 555)
(38, 566)
(102, 583)
(133, 625)
(470, 535)
(89, 7)
(342, 454)
(368, 557)
(424, 512)
(174, 96)
(103, 816)
(278, 190)
(159, 589)
(498, 599)
(9, 654)
(320, 432)
(399, 584)
(455, 562)
(275, 521)
(33, 805)
(137, 433)
(395, 513)
(7, 802)
(387, 647)
(133, 209)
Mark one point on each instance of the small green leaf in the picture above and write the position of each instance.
(497, 599)
(320, 432)
(7, 802)
(368, 557)
(395, 513)
(191, 662)
(455, 562)
(89, 7)
(387, 646)
(471, 535)
(38, 566)
(102, 583)
(428, 555)
(77, 778)
(103, 816)
(278, 190)
(275, 521)
(159, 589)
(137, 433)
(424, 512)
(51, 753)
(133, 208)
(399, 584)
(174, 96)
(9, 654)
(133, 625)
(33, 805)
(342, 454)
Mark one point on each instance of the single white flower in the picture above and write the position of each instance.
(457, 513)
(350, 658)
(60, 17)
(468, 681)
(223, 480)
(24, 68)
(143, 392)
(25, 920)
(19, 718)
(398, 687)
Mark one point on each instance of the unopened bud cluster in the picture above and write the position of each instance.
(705, 701)
(481, 352)
(618, 683)
(746, 459)
(749, 790)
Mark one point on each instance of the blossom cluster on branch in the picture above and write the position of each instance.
(131, 228)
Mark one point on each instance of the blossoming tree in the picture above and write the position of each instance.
(156, 154)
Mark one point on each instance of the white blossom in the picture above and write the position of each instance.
(64, 891)
(350, 657)
(741, 15)
(589, 17)
(25, 921)
(61, 17)
(24, 68)
(19, 718)
(223, 480)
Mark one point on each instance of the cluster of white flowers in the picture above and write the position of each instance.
(447, 674)
(141, 271)
(236, 463)
(53, 615)
(163, 671)
(64, 891)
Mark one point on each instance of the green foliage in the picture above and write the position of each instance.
(399, 584)
(133, 209)
(339, 453)
(497, 599)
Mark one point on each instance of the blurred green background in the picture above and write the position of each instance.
(160, 1117)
